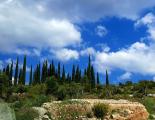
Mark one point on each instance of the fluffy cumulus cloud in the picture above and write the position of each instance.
(91, 10)
(137, 58)
(23, 31)
(149, 21)
(101, 31)
(65, 54)
(125, 76)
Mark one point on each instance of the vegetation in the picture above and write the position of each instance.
(48, 81)
(100, 110)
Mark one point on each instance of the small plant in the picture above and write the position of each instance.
(89, 114)
(26, 114)
(100, 110)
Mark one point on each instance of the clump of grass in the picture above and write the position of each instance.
(100, 110)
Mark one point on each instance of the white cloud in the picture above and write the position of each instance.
(88, 51)
(65, 54)
(101, 31)
(125, 76)
(138, 58)
(23, 31)
(92, 10)
(149, 21)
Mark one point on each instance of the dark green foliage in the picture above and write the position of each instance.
(44, 72)
(92, 77)
(36, 75)
(100, 110)
(7, 71)
(59, 70)
(62, 93)
(16, 73)
(24, 71)
(11, 74)
(52, 85)
(53, 69)
(73, 73)
(63, 74)
(107, 78)
(98, 79)
(89, 69)
(77, 75)
(26, 114)
(20, 77)
(31, 77)
(4, 84)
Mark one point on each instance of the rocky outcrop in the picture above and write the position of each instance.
(119, 109)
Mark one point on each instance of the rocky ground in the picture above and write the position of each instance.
(119, 110)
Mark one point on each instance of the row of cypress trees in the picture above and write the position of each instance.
(42, 72)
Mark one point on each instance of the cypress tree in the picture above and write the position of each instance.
(77, 75)
(63, 74)
(50, 70)
(30, 81)
(98, 79)
(92, 77)
(38, 73)
(59, 70)
(24, 71)
(20, 77)
(68, 78)
(53, 69)
(11, 73)
(89, 69)
(16, 73)
(107, 78)
(44, 72)
(73, 73)
(7, 71)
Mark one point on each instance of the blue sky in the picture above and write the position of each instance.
(119, 35)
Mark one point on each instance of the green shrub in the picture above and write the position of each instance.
(62, 93)
(52, 85)
(89, 114)
(38, 89)
(100, 110)
(26, 114)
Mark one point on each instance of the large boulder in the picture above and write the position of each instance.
(119, 109)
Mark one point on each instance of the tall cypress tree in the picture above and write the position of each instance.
(89, 69)
(50, 70)
(11, 73)
(53, 69)
(7, 71)
(77, 75)
(98, 79)
(20, 77)
(30, 81)
(44, 72)
(59, 71)
(92, 77)
(16, 73)
(24, 71)
(63, 74)
(73, 73)
(38, 73)
(107, 78)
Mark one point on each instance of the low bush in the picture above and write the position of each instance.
(26, 114)
(100, 110)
